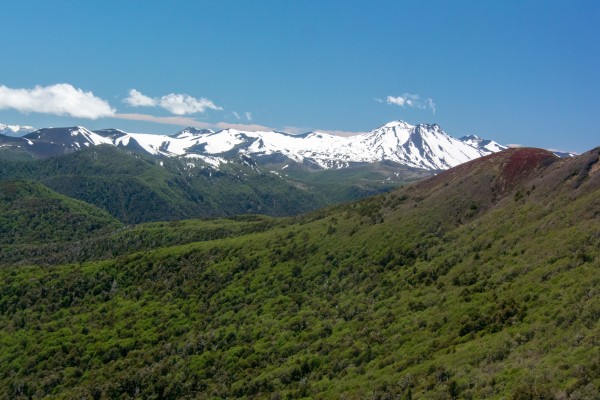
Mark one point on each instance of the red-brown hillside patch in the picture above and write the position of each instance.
(521, 164)
(510, 167)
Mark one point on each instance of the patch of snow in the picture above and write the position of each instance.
(212, 161)
(123, 140)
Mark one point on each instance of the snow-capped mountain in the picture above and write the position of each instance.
(483, 144)
(74, 138)
(15, 130)
(564, 154)
(54, 141)
(422, 146)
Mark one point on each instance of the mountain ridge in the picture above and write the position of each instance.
(15, 130)
(423, 146)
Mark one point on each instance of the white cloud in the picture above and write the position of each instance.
(58, 99)
(181, 104)
(411, 100)
(178, 104)
(396, 100)
(406, 99)
(138, 99)
(431, 105)
(247, 115)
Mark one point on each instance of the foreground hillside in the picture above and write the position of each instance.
(481, 282)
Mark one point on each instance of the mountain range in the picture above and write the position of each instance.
(15, 130)
(194, 173)
(422, 146)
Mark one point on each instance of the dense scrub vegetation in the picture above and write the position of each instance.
(479, 283)
(134, 238)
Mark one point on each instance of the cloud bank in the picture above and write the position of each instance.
(411, 100)
(187, 121)
(296, 130)
(60, 99)
(178, 104)
(341, 133)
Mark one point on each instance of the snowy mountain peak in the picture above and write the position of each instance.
(110, 133)
(191, 131)
(317, 135)
(397, 123)
(69, 139)
(482, 144)
(15, 130)
(80, 130)
(430, 127)
(469, 137)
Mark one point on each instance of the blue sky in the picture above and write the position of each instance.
(519, 72)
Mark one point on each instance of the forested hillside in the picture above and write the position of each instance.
(32, 215)
(135, 188)
(481, 282)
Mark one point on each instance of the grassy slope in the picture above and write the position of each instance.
(479, 283)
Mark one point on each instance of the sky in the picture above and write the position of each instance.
(518, 72)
